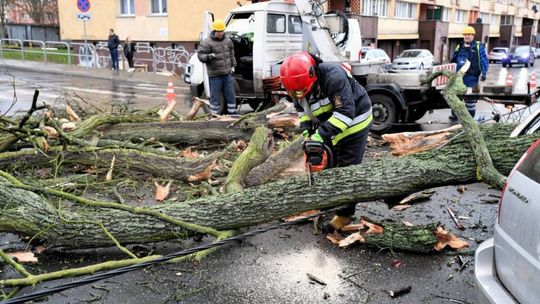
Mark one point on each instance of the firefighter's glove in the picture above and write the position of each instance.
(317, 137)
(483, 78)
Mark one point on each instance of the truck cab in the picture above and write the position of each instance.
(275, 30)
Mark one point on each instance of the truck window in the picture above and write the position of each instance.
(295, 25)
(275, 23)
(241, 24)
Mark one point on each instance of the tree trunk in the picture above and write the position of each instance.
(29, 213)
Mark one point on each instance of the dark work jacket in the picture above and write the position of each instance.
(129, 49)
(339, 102)
(223, 49)
(476, 54)
(113, 42)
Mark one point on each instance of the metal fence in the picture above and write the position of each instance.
(146, 58)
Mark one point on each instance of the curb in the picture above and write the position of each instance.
(95, 73)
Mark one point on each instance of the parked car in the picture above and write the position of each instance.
(415, 59)
(522, 54)
(497, 54)
(507, 267)
(537, 52)
(375, 55)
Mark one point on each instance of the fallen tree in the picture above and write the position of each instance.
(28, 213)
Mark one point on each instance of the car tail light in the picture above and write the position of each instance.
(360, 56)
(516, 167)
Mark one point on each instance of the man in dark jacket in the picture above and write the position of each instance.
(217, 51)
(333, 108)
(112, 44)
(475, 52)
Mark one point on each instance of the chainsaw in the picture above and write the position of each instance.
(317, 157)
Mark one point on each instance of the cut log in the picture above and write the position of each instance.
(413, 142)
(29, 213)
(127, 161)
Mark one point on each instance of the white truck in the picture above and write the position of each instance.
(265, 33)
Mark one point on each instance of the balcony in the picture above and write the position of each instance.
(455, 30)
(390, 28)
(494, 30)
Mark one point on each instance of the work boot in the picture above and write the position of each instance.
(336, 223)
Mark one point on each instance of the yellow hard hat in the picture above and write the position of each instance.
(218, 25)
(469, 30)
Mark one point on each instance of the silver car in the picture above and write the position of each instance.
(415, 59)
(507, 267)
(497, 54)
(375, 56)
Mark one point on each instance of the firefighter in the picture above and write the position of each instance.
(333, 109)
(475, 52)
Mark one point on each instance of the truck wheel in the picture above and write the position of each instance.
(384, 113)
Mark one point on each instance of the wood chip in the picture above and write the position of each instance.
(353, 227)
(408, 224)
(23, 257)
(334, 238)
(461, 189)
(400, 207)
(315, 279)
(51, 132)
(417, 197)
(203, 175)
(108, 177)
(301, 215)
(188, 153)
(71, 114)
(164, 113)
(399, 292)
(68, 126)
(351, 239)
(373, 228)
(447, 239)
(162, 192)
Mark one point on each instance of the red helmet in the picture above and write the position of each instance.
(298, 74)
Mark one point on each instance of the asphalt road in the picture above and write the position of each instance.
(273, 267)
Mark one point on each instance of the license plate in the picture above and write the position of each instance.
(514, 61)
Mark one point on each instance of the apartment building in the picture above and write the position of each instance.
(437, 25)
(163, 23)
(32, 20)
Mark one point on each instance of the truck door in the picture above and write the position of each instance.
(208, 19)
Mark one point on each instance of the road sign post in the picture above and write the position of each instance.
(84, 7)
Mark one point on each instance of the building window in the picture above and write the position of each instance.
(127, 7)
(445, 14)
(405, 10)
(434, 13)
(375, 7)
(159, 7)
(461, 16)
(506, 20)
(495, 19)
(485, 17)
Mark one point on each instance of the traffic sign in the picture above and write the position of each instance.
(84, 16)
(83, 5)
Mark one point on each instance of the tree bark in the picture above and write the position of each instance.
(29, 213)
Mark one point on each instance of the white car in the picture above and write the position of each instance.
(375, 55)
(537, 53)
(497, 54)
(415, 59)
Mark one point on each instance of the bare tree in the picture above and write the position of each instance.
(4, 5)
(40, 11)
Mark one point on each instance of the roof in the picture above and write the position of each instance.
(279, 5)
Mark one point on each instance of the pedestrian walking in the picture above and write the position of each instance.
(475, 52)
(129, 52)
(217, 51)
(333, 109)
(112, 44)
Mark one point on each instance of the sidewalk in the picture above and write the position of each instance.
(99, 73)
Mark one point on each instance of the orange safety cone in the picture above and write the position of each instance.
(170, 92)
(532, 81)
(509, 84)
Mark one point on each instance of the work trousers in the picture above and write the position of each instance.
(350, 151)
(222, 84)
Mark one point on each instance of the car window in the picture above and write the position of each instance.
(531, 165)
(275, 23)
(498, 50)
(522, 49)
(295, 25)
(409, 54)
